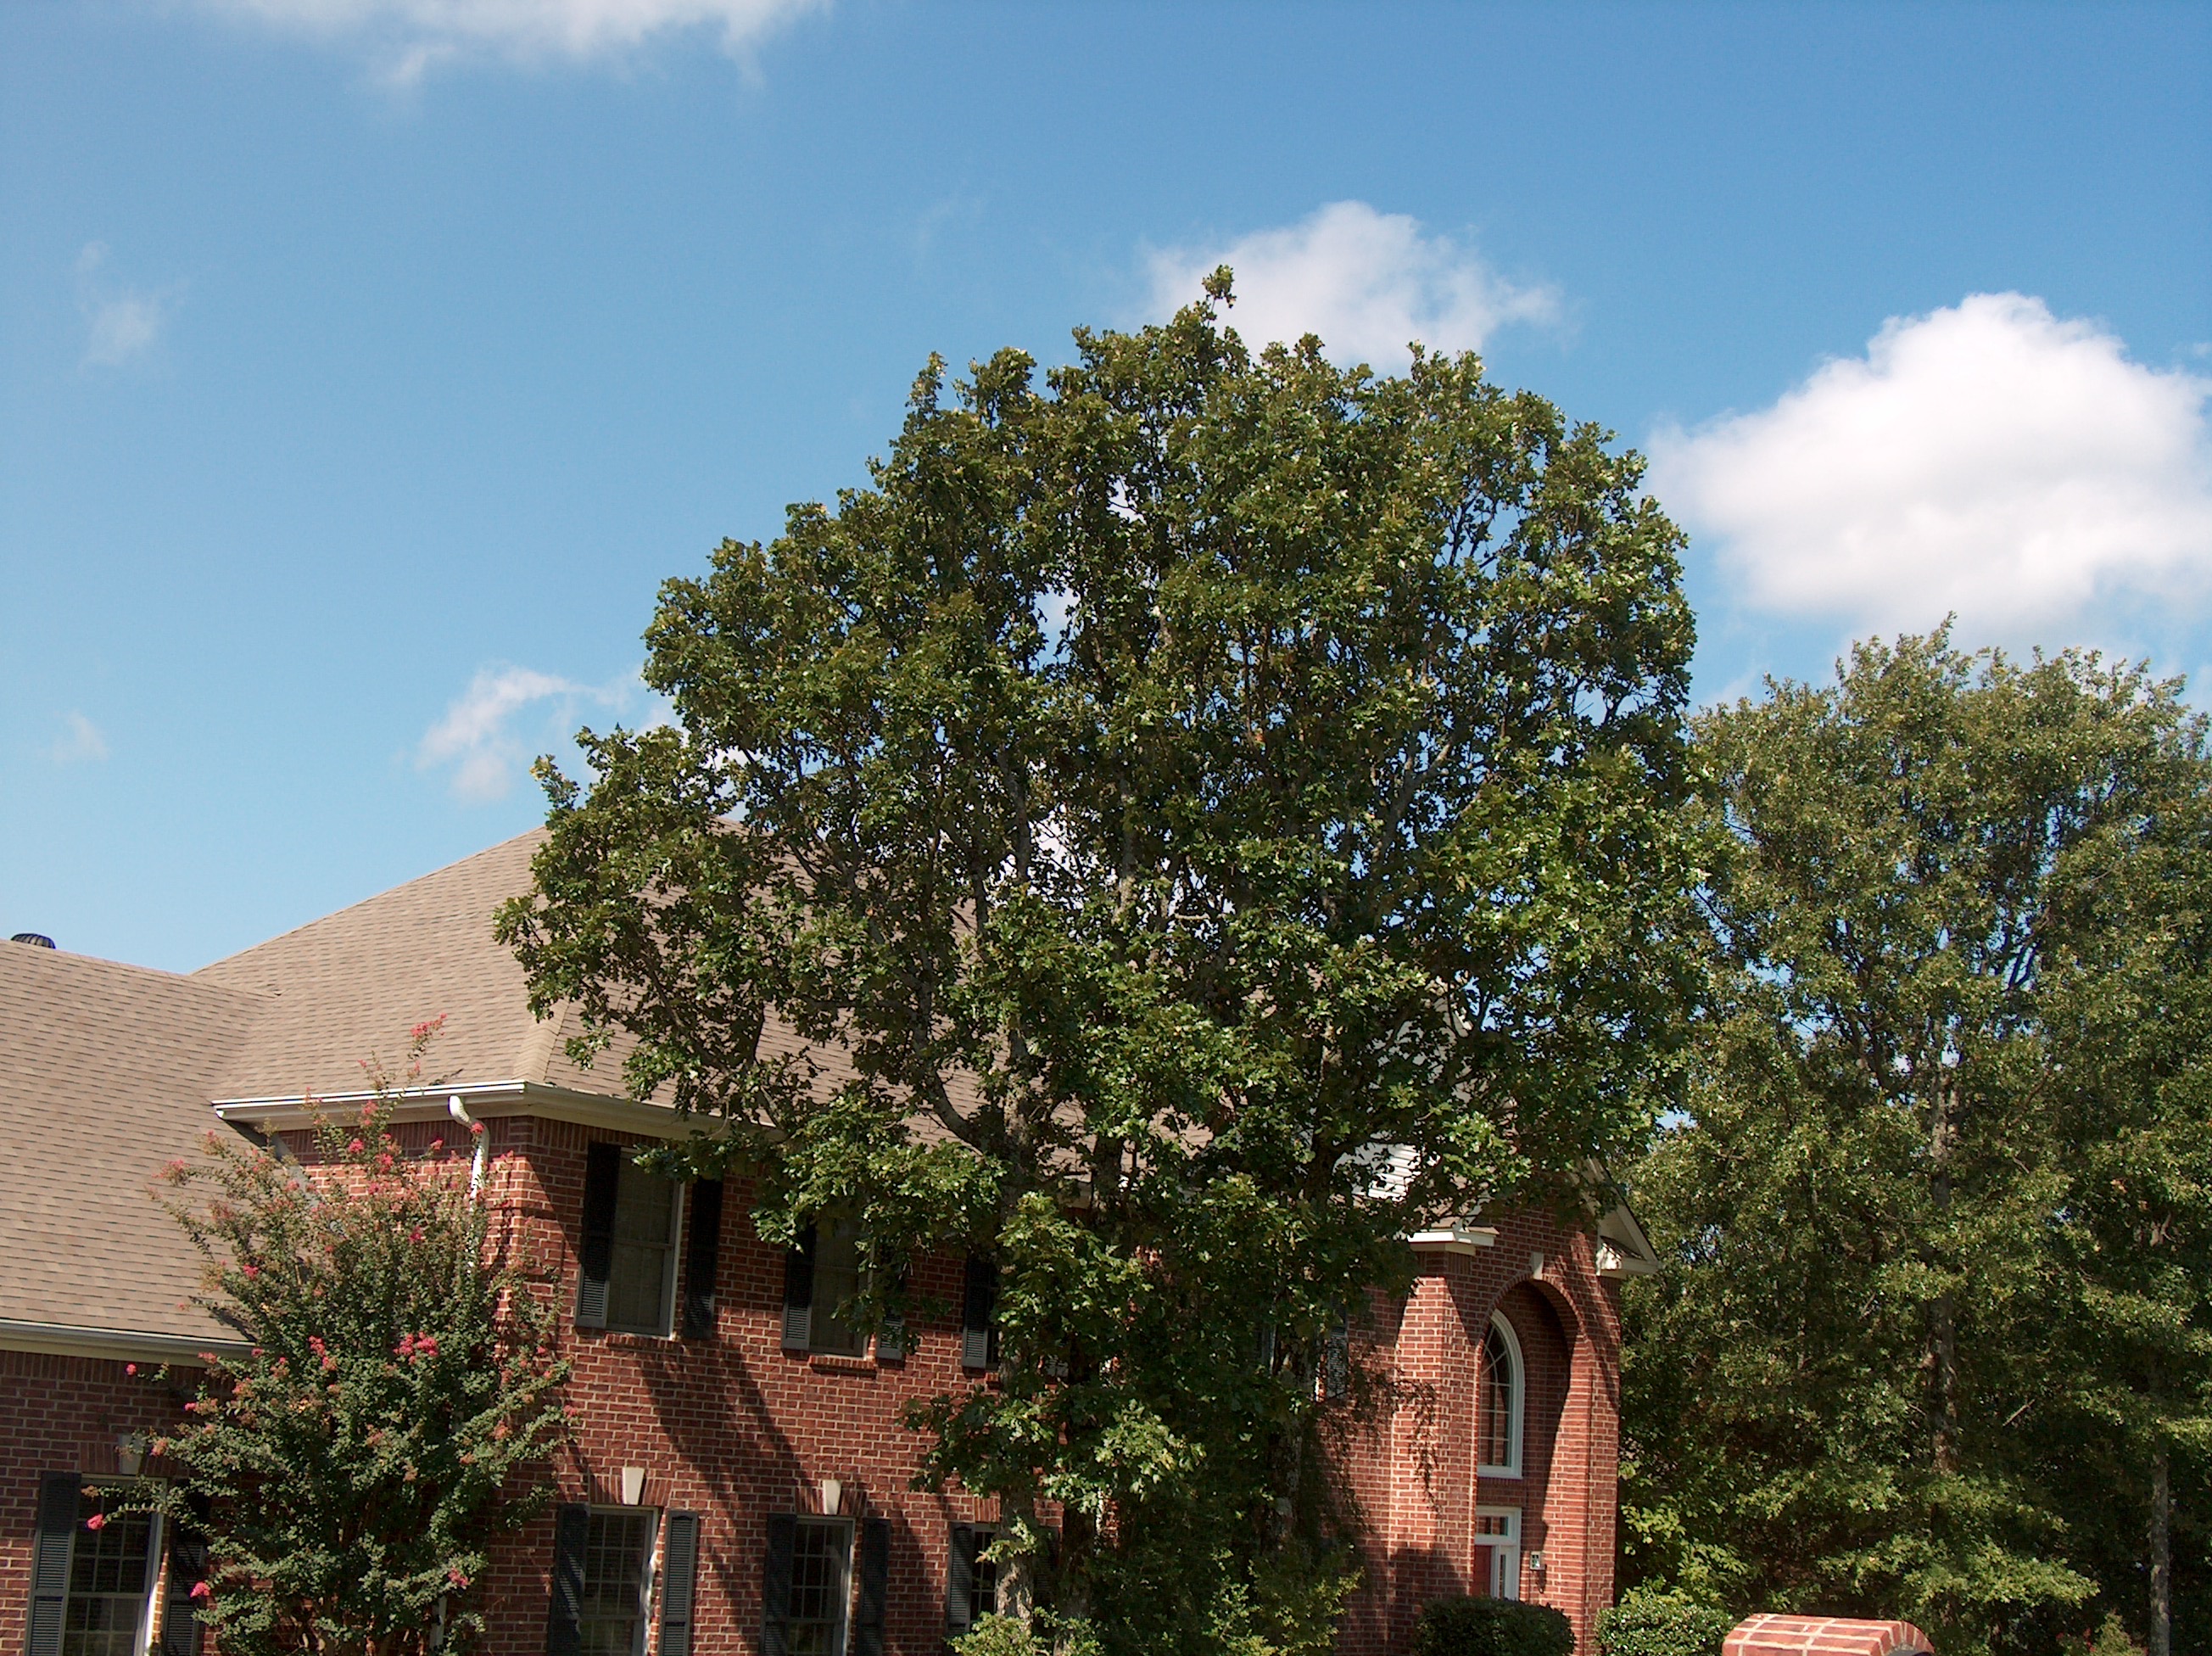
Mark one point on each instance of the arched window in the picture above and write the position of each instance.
(1504, 1381)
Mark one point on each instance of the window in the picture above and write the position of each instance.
(983, 1577)
(617, 1580)
(628, 1280)
(1498, 1530)
(838, 1280)
(1503, 1384)
(112, 1575)
(821, 1560)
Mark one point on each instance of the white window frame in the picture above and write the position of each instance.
(665, 1328)
(650, 1600)
(157, 1557)
(1515, 1409)
(843, 1641)
(1505, 1551)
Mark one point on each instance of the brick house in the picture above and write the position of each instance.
(739, 1482)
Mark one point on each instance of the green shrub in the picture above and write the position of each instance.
(1648, 1622)
(1491, 1627)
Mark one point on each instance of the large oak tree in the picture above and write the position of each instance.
(1182, 788)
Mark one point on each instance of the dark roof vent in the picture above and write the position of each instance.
(36, 940)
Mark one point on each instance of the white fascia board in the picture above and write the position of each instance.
(1458, 1238)
(124, 1344)
(482, 1098)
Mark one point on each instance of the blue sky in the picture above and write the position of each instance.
(364, 364)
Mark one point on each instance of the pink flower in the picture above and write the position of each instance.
(458, 1580)
(437, 1144)
(97, 1521)
(415, 1235)
(476, 1128)
(202, 1591)
(129, 1368)
(250, 1270)
(354, 1147)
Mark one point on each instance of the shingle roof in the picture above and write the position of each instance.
(105, 1071)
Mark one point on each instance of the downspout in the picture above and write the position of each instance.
(460, 1112)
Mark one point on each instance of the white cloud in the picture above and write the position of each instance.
(509, 714)
(120, 323)
(1989, 458)
(80, 742)
(412, 36)
(1367, 283)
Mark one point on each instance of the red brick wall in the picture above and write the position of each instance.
(1412, 1469)
(735, 1428)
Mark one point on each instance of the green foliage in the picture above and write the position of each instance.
(1172, 786)
(1491, 1627)
(2112, 1638)
(1899, 1241)
(1648, 1622)
(352, 1471)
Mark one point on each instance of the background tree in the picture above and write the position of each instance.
(2129, 1029)
(1172, 787)
(352, 1472)
(1843, 1389)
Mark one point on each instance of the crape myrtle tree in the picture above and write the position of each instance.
(1863, 1379)
(1173, 785)
(397, 1398)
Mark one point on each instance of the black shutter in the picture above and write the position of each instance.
(798, 1293)
(979, 1337)
(564, 1620)
(702, 1252)
(960, 1581)
(181, 1633)
(602, 1178)
(875, 1586)
(775, 1585)
(680, 1577)
(50, 1563)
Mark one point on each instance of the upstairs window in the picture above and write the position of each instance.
(822, 1278)
(628, 1281)
(1503, 1386)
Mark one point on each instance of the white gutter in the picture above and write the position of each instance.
(128, 1345)
(1458, 1238)
(482, 1099)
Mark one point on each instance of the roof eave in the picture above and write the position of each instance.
(116, 1344)
(480, 1098)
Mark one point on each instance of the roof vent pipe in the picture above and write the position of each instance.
(36, 940)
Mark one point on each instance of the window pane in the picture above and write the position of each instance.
(1498, 1381)
(819, 1553)
(618, 1563)
(637, 1270)
(110, 1571)
(982, 1581)
(836, 1280)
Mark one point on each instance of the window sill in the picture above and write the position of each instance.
(838, 1362)
(1513, 1472)
(626, 1337)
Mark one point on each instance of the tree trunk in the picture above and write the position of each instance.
(1017, 1575)
(2161, 1556)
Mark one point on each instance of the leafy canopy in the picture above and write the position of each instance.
(1860, 1381)
(1158, 794)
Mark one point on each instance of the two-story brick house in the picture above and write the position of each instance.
(740, 1477)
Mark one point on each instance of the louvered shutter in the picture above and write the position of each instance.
(602, 1182)
(703, 1253)
(50, 1563)
(960, 1581)
(181, 1632)
(979, 1339)
(679, 1583)
(775, 1586)
(564, 1619)
(1336, 1361)
(798, 1293)
(875, 1586)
